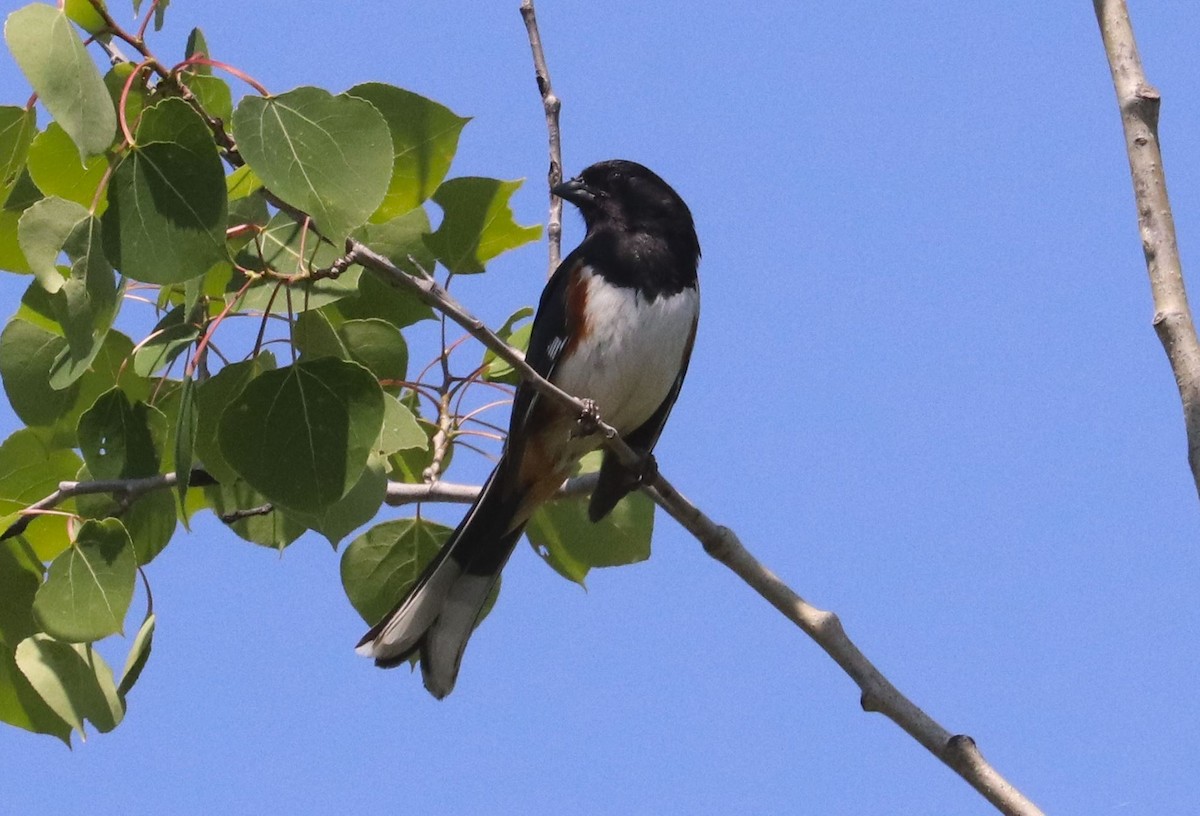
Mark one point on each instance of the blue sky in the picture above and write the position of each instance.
(926, 393)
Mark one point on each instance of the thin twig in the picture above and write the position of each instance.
(552, 105)
(1139, 104)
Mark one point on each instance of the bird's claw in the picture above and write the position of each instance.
(588, 421)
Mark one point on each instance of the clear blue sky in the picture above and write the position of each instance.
(926, 393)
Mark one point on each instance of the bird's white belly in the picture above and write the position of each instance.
(631, 353)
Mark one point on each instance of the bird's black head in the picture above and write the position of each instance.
(629, 197)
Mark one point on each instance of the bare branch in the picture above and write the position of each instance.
(126, 491)
(1139, 104)
(552, 105)
(878, 694)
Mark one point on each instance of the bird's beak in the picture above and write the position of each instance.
(575, 191)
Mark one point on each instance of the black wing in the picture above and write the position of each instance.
(547, 339)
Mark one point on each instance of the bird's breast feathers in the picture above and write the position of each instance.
(629, 350)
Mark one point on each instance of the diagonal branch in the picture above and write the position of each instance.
(878, 694)
(1139, 104)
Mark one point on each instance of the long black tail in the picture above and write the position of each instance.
(439, 613)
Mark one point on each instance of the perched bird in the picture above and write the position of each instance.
(615, 325)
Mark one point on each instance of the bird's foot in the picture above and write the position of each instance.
(588, 421)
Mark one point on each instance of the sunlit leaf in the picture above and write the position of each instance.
(20, 577)
(478, 224)
(424, 139)
(562, 534)
(497, 369)
(30, 470)
(57, 65)
(73, 680)
(89, 587)
(380, 565)
(400, 429)
(139, 653)
(330, 156)
(17, 129)
(167, 204)
(22, 706)
(56, 168)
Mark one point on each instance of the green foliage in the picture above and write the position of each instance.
(223, 228)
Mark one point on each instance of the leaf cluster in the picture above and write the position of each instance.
(169, 238)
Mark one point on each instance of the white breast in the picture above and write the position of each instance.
(630, 357)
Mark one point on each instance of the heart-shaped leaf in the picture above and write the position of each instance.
(301, 435)
(330, 156)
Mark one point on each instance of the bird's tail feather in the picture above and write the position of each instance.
(439, 613)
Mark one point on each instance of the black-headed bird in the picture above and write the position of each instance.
(615, 325)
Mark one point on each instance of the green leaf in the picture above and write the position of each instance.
(378, 346)
(270, 529)
(401, 240)
(212, 396)
(90, 586)
(11, 257)
(478, 224)
(167, 206)
(409, 464)
(150, 521)
(139, 653)
(381, 564)
(115, 438)
(20, 577)
(169, 338)
(561, 533)
(17, 129)
(301, 435)
(497, 369)
(185, 438)
(43, 232)
(136, 98)
(424, 139)
(400, 430)
(353, 510)
(84, 15)
(286, 248)
(59, 68)
(314, 337)
(22, 706)
(30, 470)
(212, 93)
(27, 353)
(74, 681)
(197, 45)
(86, 305)
(376, 298)
(330, 156)
(242, 182)
(56, 168)
(109, 369)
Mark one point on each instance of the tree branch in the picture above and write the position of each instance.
(959, 752)
(552, 105)
(1139, 105)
